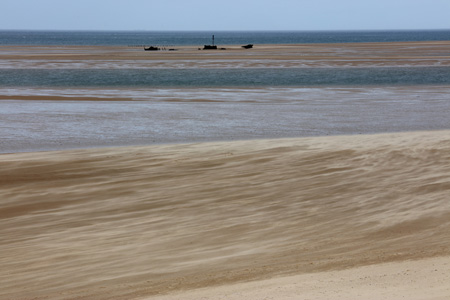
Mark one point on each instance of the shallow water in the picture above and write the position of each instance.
(249, 77)
(155, 116)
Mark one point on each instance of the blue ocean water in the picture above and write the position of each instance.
(247, 77)
(198, 38)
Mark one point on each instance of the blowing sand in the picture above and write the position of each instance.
(346, 217)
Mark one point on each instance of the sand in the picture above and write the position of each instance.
(362, 216)
(344, 217)
(413, 280)
(397, 54)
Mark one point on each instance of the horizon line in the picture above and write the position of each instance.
(226, 30)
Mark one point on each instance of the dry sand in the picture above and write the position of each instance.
(412, 280)
(346, 217)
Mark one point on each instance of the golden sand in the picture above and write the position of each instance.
(347, 217)
(412, 280)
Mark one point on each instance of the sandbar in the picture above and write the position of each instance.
(435, 53)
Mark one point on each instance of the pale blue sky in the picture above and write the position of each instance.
(224, 14)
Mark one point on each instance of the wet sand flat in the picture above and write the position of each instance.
(135, 222)
(79, 118)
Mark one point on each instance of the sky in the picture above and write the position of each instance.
(224, 14)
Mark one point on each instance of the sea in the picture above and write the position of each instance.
(194, 78)
(238, 77)
(193, 38)
(183, 105)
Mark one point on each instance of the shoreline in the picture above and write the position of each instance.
(111, 147)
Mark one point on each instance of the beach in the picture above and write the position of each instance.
(125, 222)
(241, 193)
